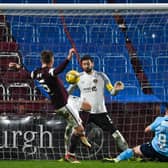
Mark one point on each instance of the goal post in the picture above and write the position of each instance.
(128, 42)
(89, 6)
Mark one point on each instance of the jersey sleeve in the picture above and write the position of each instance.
(156, 123)
(71, 88)
(107, 82)
(59, 69)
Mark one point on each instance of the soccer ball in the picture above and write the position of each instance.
(72, 77)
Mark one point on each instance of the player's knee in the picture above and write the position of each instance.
(85, 106)
(137, 151)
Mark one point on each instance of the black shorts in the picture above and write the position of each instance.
(102, 120)
(149, 152)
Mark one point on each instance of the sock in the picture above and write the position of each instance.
(121, 142)
(128, 153)
(67, 137)
(74, 142)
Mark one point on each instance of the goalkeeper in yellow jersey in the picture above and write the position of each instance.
(91, 86)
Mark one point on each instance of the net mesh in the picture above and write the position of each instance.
(128, 45)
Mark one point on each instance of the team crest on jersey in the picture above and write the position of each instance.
(95, 80)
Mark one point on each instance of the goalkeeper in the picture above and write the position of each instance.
(91, 86)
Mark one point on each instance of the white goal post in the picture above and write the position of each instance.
(89, 6)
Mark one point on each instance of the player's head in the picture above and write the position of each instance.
(47, 58)
(87, 63)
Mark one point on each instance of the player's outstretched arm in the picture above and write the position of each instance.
(14, 65)
(118, 86)
(72, 51)
(147, 129)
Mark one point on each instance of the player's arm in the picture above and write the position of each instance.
(153, 125)
(25, 73)
(118, 86)
(29, 75)
(71, 88)
(147, 129)
(62, 66)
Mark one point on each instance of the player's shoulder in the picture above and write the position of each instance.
(39, 72)
(35, 72)
(101, 74)
(82, 74)
(158, 119)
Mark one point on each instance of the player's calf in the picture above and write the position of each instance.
(120, 140)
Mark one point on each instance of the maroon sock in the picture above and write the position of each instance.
(74, 142)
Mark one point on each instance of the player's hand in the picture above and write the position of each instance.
(14, 65)
(119, 86)
(71, 52)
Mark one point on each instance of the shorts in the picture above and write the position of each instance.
(102, 120)
(149, 152)
(75, 101)
(71, 111)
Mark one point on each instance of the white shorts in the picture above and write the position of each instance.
(71, 111)
(75, 101)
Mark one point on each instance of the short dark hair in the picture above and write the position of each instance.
(86, 57)
(46, 56)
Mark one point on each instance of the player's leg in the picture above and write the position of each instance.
(75, 104)
(70, 133)
(74, 142)
(104, 121)
(120, 140)
(125, 155)
(77, 134)
(138, 151)
(78, 129)
(70, 113)
(146, 150)
(67, 136)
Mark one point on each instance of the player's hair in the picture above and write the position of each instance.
(46, 56)
(86, 57)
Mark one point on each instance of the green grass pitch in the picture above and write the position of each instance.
(83, 164)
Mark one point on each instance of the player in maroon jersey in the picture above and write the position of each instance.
(48, 78)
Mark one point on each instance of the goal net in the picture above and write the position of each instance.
(127, 42)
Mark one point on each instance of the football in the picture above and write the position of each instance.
(72, 77)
